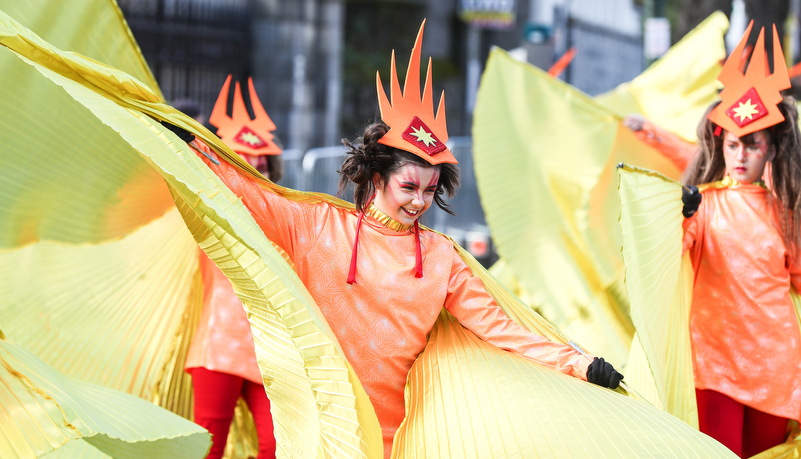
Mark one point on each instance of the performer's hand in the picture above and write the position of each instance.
(182, 134)
(634, 121)
(691, 200)
(603, 374)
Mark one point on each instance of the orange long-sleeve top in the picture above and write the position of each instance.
(677, 150)
(222, 340)
(383, 320)
(743, 325)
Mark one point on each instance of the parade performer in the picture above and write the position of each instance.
(222, 356)
(742, 238)
(380, 280)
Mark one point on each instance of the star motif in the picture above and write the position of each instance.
(250, 138)
(745, 110)
(423, 136)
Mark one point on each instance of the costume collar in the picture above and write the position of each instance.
(386, 220)
(728, 182)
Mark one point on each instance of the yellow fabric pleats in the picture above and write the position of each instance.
(42, 410)
(318, 404)
(659, 282)
(111, 319)
(544, 161)
(468, 399)
(544, 156)
(98, 274)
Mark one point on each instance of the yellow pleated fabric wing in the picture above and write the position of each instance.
(42, 411)
(659, 283)
(544, 157)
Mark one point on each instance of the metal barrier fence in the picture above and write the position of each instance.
(318, 170)
(192, 45)
(293, 169)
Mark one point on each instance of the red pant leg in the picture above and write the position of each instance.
(721, 418)
(259, 405)
(762, 431)
(216, 394)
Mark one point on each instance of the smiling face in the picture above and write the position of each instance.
(746, 157)
(407, 193)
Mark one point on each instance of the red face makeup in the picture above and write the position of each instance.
(745, 162)
(259, 162)
(408, 193)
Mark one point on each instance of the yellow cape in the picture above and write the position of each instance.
(44, 412)
(545, 156)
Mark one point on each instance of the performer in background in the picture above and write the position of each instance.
(222, 356)
(743, 238)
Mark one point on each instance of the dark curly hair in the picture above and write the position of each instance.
(785, 141)
(366, 157)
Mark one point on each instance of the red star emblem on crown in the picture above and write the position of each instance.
(747, 109)
(419, 135)
(246, 136)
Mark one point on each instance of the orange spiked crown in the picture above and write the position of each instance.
(749, 101)
(239, 131)
(413, 127)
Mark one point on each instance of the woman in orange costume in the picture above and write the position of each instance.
(743, 240)
(379, 279)
(222, 356)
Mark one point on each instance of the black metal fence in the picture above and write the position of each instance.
(192, 45)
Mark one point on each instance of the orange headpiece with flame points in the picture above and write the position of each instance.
(413, 127)
(749, 102)
(239, 131)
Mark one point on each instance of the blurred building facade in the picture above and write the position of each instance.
(314, 61)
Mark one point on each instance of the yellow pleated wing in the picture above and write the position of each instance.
(319, 408)
(675, 91)
(468, 399)
(98, 274)
(42, 412)
(659, 283)
(544, 157)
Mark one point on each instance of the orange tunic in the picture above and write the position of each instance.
(222, 341)
(743, 325)
(383, 320)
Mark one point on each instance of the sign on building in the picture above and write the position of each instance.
(491, 14)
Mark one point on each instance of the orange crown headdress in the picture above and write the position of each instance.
(412, 124)
(239, 131)
(749, 102)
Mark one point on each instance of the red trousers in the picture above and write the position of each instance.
(744, 430)
(216, 394)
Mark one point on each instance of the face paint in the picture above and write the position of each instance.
(745, 161)
(408, 192)
(259, 162)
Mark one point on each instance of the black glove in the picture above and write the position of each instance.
(603, 374)
(691, 200)
(182, 134)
